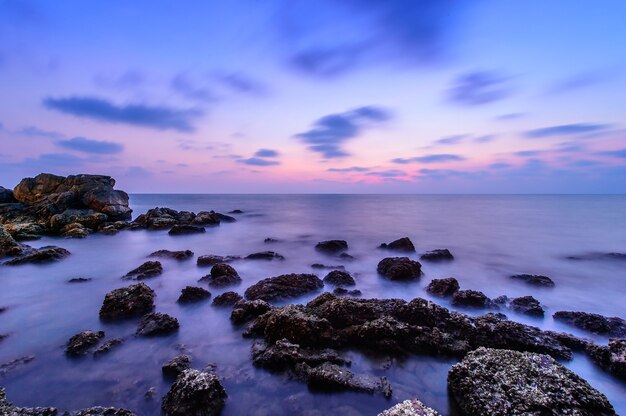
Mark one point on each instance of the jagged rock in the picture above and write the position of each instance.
(339, 278)
(441, 254)
(82, 342)
(23, 231)
(101, 411)
(45, 254)
(210, 260)
(175, 255)
(156, 323)
(409, 408)
(108, 346)
(162, 218)
(320, 266)
(611, 357)
(227, 299)
(127, 302)
(75, 230)
(332, 246)
(194, 393)
(340, 291)
(329, 376)
(174, 367)
(399, 268)
(193, 294)
(593, 322)
(7, 409)
(504, 382)
(15, 364)
(283, 354)
(534, 279)
(443, 287)
(206, 218)
(283, 286)
(265, 255)
(246, 310)
(8, 245)
(402, 244)
(527, 305)
(85, 217)
(145, 271)
(186, 229)
(222, 275)
(471, 298)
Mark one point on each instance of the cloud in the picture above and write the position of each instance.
(241, 84)
(583, 80)
(510, 116)
(529, 153)
(435, 158)
(620, 153)
(479, 88)
(266, 153)
(487, 138)
(137, 171)
(350, 169)
(566, 130)
(82, 144)
(500, 165)
(391, 173)
(329, 132)
(156, 117)
(450, 140)
(183, 85)
(32, 131)
(327, 61)
(255, 161)
(131, 78)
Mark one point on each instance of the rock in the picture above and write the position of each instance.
(437, 255)
(8, 245)
(328, 376)
(108, 346)
(145, 271)
(227, 299)
(84, 217)
(471, 298)
(534, 279)
(186, 229)
(150, 393)
(339, 278)
(527, 305)
(174, 367)
(283, 354)
(402, 244)
(102, 411)
(612, 357)
(504, 382)
(6, 408)
(174, 255)
(6, 196)
(80, 280)
(236, 211)
(82, 342)
(320, 266)
(270, 240)
(127, 302)
(222, 275)
(158, 219)
(22, 231)
(399, 268)
(194, 393)
(332, 246)
(226, 218)
(210, 260)
(15, 364)
(41, 255)
(283, 286)
(75, 230)
(346, 256)
(593, 322)
(246, 310)
(443, 287)
(265, 255)
(599, 256)
(409, 408)
(193, 294)
(206, 218)
(340, 291)
(156, 323)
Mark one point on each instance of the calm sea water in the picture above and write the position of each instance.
(491, 238)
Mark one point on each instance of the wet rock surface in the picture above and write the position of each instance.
(534, 279)
(186, 229)
(332, 246)
(443, 287)
(174, 255)
(320, 266)
(8, 245)
(227, 299)
(265, 255)
(102, 411)
(441, 254)
(403, 244)
(527, 305)
(80, 280)
(145, 271)
(283, 355)
(210, 260)
(339, 278)
(283, 286)
(499, 382)
(472, 299)
(399, 268)
(82, 342)
(194, 393)
(333, 377)
(593, 322)
(15, 364)
(191, 294)
(107, 346)
(611, 357)
(409, 408)
(6, 408)
(127, 302)
(246, 310)
(47, 254)
(222, 275)
(174, 367)
(156, 323)
(340, 291)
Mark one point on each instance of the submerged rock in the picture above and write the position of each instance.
(108, 346)
(320, 266)
(15, 364)
(6, 408)
(80, 280)
(399, 268)
(206, 218)
(328, 376)
(45, 254)
(593, 322)
(127, 302)
(402, 244)
(186, 229)
(226, 218)
(246, 310)
(227, 299)
(102, 411)
(612, 357)
(8, 245)
(193, 294)
(504, 382)
(210, 260)
(174, 367)
(283, 286)
(441, 254)
(265, 255)
(332, 246)
(175, 255)
(340, 291)
(526, 305)
(283, 355)
(534, 279)
(82, 342)
(472, 298)
(222, 275)
(409, 408)
(443, 287)
(145, 271)
(194, 393)
(339, 278)
(599, 256)
(156, 323)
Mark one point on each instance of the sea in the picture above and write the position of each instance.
(491, 237)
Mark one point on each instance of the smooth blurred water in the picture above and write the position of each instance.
(491, 238)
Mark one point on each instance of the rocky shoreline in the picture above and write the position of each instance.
(309, 342)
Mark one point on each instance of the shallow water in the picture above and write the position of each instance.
(491, 238)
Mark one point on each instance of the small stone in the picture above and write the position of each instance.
(399, 268)
(437, 255)
(194, 393)
(339, 278)
(265, 255)
(332, 246)
(227, 299)
(443, 287)
(82, 342)
(174, 255)
(174, 367)
(193, 294)
(534, 279)
(108, 346)
(402, 244)
(409, 408)
(80, 280)
(156, 323)
(147, 270)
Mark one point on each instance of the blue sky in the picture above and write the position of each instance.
(409, 96)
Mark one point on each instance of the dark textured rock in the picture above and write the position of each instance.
(226, 218)
(159, 219)
(593, 322)
(320, 266)
(193, 294)
(175, 255)
(339, 278)
(346, 256)
(236, 211)
(409, 408)
(503, 382)
(441, 254)
(80, 280)
(332, 246)
(402, 244)
(156, 323)
(82, 342)
(534, 279)
(102, 411)
(599, 256)
(399, 268)
(194, 393)
(443, 287)
(527, 305)
(246, 310)
(283, 354)
(210, 260)
(227, 299)
(107, 346)
(145, 271)
(7, 409)
(612, 357)
(127, 302)
(206, 218)
(15, 364)
(8, 245)
(283, 286)
(41, 255)
(186, 229)
(270, 240)
(222, 275)
(265, 255)
(6, 196)
(471, 298)
(174, 367)
(340, 291)
(328, 376)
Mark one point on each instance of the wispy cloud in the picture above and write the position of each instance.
(185, 87)
(435, 158)
(390, 173)
(510, 116)
(266, 153)
(479, 88)
(241, 83)
(256, 161)
(85, 145)
(583, 80)
(620, 153)
(131, 78)
(350, 169)
(32, 131)
(567, 130)
(450, 140)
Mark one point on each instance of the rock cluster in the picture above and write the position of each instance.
(534, 279)
(332, 246)
(441, 254)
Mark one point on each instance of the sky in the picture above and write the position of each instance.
(317, 96)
